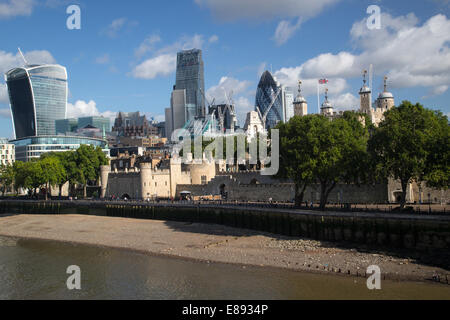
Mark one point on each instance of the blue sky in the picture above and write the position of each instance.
(123, 58)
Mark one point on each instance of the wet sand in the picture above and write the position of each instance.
(216, 243)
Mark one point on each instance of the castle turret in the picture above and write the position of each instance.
(203, 172)
(104, 176)
(300, 103)
(385, 100)
(366, 96)
(146, 180)
(327, 108)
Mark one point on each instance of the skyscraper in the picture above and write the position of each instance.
(38, 97)
(273, 101)
(190, 77)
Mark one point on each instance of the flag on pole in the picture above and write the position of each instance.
(323, 81)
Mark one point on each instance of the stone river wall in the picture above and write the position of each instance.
(410, 231)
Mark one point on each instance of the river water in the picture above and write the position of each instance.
(34, 269)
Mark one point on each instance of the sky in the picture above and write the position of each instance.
(124, 56)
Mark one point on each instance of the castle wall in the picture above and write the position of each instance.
(284, 192)
(120, 184)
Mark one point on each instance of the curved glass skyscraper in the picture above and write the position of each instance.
(38, 97)
(275, 102)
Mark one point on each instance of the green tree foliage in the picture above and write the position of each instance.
(88, 161)
(314, 149)
(297, 160)
(412, 144)
(53, 172)
(437, 173)
(7, 176)
(78, 167)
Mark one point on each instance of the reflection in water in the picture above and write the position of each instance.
(31, 269)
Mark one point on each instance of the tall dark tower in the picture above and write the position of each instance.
(190, 77)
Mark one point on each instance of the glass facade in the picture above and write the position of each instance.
(266, 92)
(190, 76)
(66, 125)
(34, 147)
(22, 107)
(38, 97)
(98, 122)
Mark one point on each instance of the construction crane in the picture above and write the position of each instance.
(207, 100)
(230, 108)
(233, 115)
(264, 117)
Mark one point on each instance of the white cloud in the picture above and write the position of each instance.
(230, 10)
(82, 109)
(9, 61)
(147, 45)
(184, 43)
(242, 107)
(440, 90)
(410, 54)
(3, 93)
(235, 90)
(164, 60)
(13, 8)
(285, 31)
(117, 25)
(229, 86)
(154, 67)
(213, 39)
(345, 101)
(87, 109)
(330, 65)
(263, 10)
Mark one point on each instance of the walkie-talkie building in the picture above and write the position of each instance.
(38, 97)
(190, 77)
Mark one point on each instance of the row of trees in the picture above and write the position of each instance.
(411, 144)
(55, 169)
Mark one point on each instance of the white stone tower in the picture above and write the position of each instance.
(327, 108)
(300, 103)
(104, 176)
(146, 180)
(385, 100)
(366, 97)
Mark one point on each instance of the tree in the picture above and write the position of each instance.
(296, 161)
(30, 175)
(88, 161)
(19, 175)
(412, 144)
(342, 151)
(437, 173)
(316, 149)
(53, 172)
(7, 176)
(64, 159)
